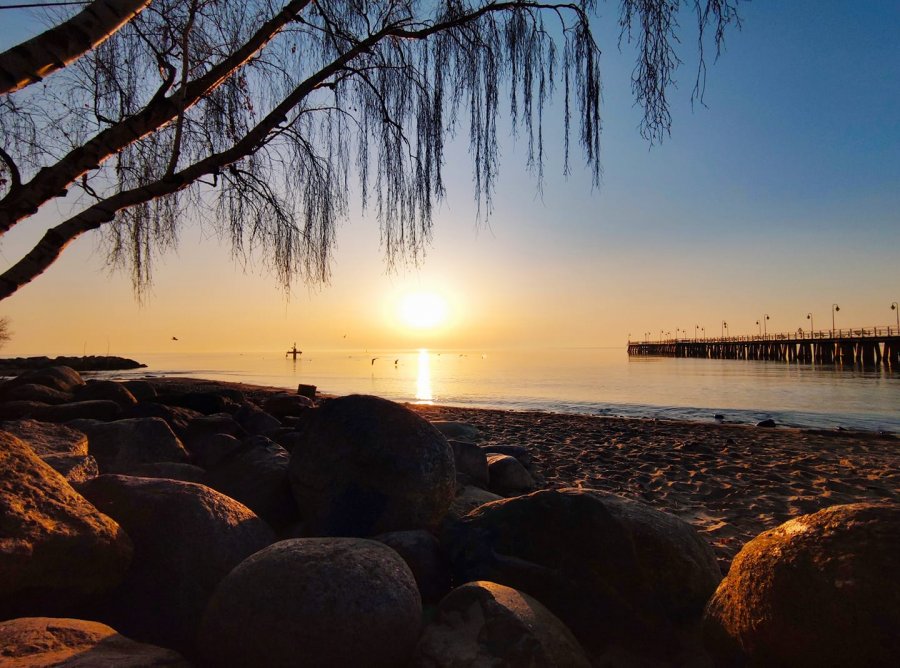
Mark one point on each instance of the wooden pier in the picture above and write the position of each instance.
(862, 347)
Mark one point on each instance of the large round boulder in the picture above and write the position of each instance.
(487, 624)
(187, 537)
(39, 642)
(315, 602)
(422, 553)
(370, 466)
(615, 571)
(819, 590)
(56, 549)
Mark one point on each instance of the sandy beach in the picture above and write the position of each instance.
(730, 481)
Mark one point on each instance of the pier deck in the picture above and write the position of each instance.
(868, 347)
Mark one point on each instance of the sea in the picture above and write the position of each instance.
(588, 381)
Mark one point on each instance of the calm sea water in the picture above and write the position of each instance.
(599, 381)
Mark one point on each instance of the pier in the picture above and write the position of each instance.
(862, 347)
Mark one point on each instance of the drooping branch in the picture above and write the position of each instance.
(52, 50)
(52, 181)
(58, 238)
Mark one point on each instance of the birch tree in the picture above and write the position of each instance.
(256, 115)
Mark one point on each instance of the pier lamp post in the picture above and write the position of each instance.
(896, 307)
(764, 325)
(834, 309)
(696, 327)
(703, 330)
(812, 327)
(677, 329)
(724, 327)
(758, 328)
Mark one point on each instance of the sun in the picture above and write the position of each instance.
(423, 310)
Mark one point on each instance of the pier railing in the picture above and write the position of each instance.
(866, 346)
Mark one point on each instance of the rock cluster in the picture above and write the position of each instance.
(157, 524)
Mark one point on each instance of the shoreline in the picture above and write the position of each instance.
(730, 481)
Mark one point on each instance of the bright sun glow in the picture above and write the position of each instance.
(423, 310)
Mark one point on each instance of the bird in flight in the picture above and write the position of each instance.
(174, 338)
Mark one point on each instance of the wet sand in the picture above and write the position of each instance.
(730, 481)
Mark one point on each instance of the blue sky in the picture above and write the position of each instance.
(780, 196)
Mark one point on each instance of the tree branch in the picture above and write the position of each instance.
(52, 50)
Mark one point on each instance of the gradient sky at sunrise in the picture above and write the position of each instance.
(781, 196)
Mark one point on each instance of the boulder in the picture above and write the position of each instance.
(19, 409)
(169, 471)
(62, 378)
(121, 445)
(458, 431)
(319, 601)
(210, 451)
(768, 423)
(256, 474)
(520, 452)
(819, 590)
(467, 499)
(422, 553)
(208, 425)
(288, 439)
(42, 642)
(308, 391)
(95, 409)
(206, 403)
(370, 466)
(287, 404)
(64, 449)
(56, 549)
(255, 420)
(507, 476)
(106, 389)
(487, 624)
(177, 418)
(140, 389)
(615, 571)
(471, 463)
(39, 393)
(187, 537)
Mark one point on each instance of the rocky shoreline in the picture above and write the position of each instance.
(13, 366)
(179, 522)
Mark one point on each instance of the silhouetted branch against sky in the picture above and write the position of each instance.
(257, 116)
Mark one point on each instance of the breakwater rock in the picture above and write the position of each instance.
(15, 365)
(225, 525)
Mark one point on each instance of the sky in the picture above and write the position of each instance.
(780, 196)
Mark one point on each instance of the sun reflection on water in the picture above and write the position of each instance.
(423, 379)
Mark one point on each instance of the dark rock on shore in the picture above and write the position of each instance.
(369, 466)
(507, 476)
(64, 449)
(57, 549)
(487, 624)
(108, 390)
(39, 642)
(819, 590)
(422, 553)
(256, 474)
(187, 537)
(59, 378)
(123, 444)
(315, 602)
(615, 571)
